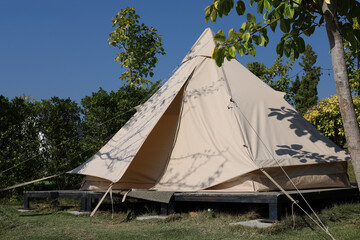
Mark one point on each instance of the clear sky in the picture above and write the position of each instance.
(59, 48)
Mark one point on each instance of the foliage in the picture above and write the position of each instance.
(326, 117)
(353, 72)
(105, 113)
(38, 139)
(295, 18)
(277, 76)
(18, 141)
(58, 123)
(352, 58)
(305, 90)
(138, 45)
(48, 137)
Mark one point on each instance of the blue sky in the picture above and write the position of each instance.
(59, 48)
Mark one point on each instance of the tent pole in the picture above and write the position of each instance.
(102, 199)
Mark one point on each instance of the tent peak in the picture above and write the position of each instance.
(203, 46)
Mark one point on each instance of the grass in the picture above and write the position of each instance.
(49, 221)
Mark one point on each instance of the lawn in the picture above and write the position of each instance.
(50, 221)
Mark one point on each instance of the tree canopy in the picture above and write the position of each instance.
(305, 90)
(277, 76)
(104, 113)
(294, 18)
(138, 45)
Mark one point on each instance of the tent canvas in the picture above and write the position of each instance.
(212, 128)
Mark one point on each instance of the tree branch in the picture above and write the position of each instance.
(257, 30)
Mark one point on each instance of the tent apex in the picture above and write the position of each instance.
(203, 46)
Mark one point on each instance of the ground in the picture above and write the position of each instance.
(50, 220)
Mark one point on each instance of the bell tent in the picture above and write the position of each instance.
(212, 128)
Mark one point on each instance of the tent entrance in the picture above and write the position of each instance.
(150, 161)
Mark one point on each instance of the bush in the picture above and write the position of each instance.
(326, 117)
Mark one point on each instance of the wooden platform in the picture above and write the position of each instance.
(274, 200)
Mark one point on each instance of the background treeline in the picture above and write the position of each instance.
(47, 137)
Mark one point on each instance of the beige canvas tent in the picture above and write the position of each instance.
(213, 129)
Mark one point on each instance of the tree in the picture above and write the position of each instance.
(258, 69)
(19, 142)
(295, 19)
(138, 45)
(277, 76)
(58, 123)
(105, 113)
(306, 89)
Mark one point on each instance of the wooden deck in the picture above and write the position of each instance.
(274, 200)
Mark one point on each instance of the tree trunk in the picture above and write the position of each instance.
(351, 127)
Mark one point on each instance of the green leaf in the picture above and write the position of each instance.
(289, 11)
(300, 44)
(256, 39)
(251, 49)
(296, 55)
(227, 6)
(260, 6)
(280, 9)
(285, 25)
(232, 51)
(219, 6)
(219, 36)
(219, 56)
(259, 40)
(265, 16)
(251, 2)
(292, 54)
(351, 38)
(245, 26)
(246, 37)
(227, 55)
(273, 26)
(240, 7)
(207, 13)
(263, 41)
(231, 32)
(213, 15)
(280, 48)
(296, 3)
(287, 48)
(241, 50)
(251, 18)
(267, 5)
(216, 4)
(276, 3)
(214, 52)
